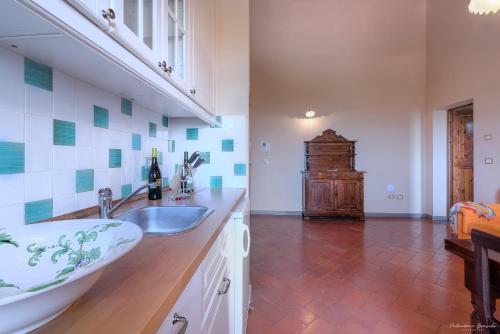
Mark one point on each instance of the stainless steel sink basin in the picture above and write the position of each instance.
(166, 220)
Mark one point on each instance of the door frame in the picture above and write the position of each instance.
(449, 149)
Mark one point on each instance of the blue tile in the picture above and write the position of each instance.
(115, 158)
(38, 210)
(164, 121)
(126, 190)
(206, 157)
(192, 134)
(166, 183)
(136, 142)
(84, 180)
(171, 145)
(218, 122)
(126, 107)
(216, 182)
(144, 173)
(227, 145)
(176, 168)
(101, 117)
(64, 133)
(240, 169)
(160, 158)
(152, 130)
(11, 158)
(37, 74)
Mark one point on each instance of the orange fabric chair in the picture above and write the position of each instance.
(466, 218)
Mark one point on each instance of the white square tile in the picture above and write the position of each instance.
(10, 186)
(39, 129)
(64, 183)
(39, 101)
(115, 181)
(101, 138)
(64, 205)
(12, 215)
(12, 87)
(64, 97)
(102, 178)
(115, 139)
(38, 186)
(64, 158)
(86, 200)
(127, 175)
(101, 157)
(84, 135)
(85, 101)
(12, 126)
(127, 158)
(38, 157)
(85, 158)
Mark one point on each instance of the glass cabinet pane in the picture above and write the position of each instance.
(171, 41)
(179, 68)
(131, 15)
(171, 5)
(180, 12)
(147, 23)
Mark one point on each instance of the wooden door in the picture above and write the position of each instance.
(461, 155)
(348, 195)
(320, 194)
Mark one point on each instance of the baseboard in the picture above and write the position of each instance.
(275, 213)
(394, 215)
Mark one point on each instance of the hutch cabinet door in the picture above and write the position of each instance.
(348, 195)
(93, 9)
(319, 194)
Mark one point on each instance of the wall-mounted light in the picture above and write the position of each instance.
(484, 6)
(310, 113)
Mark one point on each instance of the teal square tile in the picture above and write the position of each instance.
(115, 158)
(84, 180)
(160, 158)
(144, 173)
(64, 133)
(206, 157)
(166, 183)
(126, 190)
(176, 168)
(37, 74)
(126, 107)
(215, 182)
(136, 142)
(11, 158)
(164, 121)
(101, 117)
(240, 169)
(38, 210)
(152, 130)
(192, 134)
(171, 145)
(218, 122)
(227, 145)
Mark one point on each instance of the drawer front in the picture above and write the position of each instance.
(329, 162)
(211, 298)
(216, 316)
(329, 148)
(212, 262)
(319, 175)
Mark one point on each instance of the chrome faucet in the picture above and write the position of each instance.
(105, 200)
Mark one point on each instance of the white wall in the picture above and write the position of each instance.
(361, 65)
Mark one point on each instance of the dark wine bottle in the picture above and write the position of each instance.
(155, 182)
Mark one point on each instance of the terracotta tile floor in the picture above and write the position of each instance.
(381, 276)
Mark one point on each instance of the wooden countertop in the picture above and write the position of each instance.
(135, 293)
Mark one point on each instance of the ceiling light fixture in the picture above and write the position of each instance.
(310, 113)
(484, 6)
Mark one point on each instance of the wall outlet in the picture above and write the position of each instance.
(265, 146)
(392, 196)
(488, 161)
(400, 196)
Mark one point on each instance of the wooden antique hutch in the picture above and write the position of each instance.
(331, 185)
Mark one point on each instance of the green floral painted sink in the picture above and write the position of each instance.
(45, 267)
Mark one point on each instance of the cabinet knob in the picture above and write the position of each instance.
(193, 91)
(168, 69)
(183, 321)
(227, 283)
(108, 14)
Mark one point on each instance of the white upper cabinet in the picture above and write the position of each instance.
(93, 9)
(203, 51)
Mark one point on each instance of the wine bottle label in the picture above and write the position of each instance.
(158, 183)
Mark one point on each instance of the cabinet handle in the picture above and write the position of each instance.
(108, 14)
(163, 65)
(168, 69)
(227, 282)
(193, 91)
(183, 320)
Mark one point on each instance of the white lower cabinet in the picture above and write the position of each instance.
(205, 306)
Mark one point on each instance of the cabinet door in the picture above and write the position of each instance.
(348, 195)
(93, 9)
(136, 26)
(319, 194)
(221, 324)
(202, 58)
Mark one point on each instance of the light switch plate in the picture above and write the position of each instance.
(400, 196)
(488, 137)
(392, 196)
(488, 161)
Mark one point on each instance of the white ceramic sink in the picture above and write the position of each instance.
(46, 267)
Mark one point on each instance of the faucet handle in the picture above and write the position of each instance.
(105, 200)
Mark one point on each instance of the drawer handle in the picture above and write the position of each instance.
(227, 283)
(183, 320)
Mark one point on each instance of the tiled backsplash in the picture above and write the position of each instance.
(62, 139)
